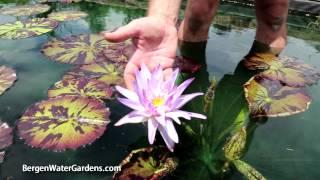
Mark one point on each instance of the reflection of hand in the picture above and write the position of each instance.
(156, 41)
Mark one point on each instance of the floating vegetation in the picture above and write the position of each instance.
(272, 99)
(81, 87)
(67, 15)
(147, 163)
(103, 71)
(82, 49)
(65, 122)
(7, 78)
(6, 138)
(25, 10)
(27, 28)
(315, 25)
(119, 52)
(287, 70)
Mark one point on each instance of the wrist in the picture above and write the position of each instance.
(168, 20)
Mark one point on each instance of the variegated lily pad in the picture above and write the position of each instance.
(6, 138)
(82, 49)
(119, 52)
(248, 171)
(272, 99)
(7, 78)
(27, 28)
(146, 163)
(81, 87)
(25, 10)
(103, 71)
(67, 15)
(287, 70)
(235, 146)
(65, 122)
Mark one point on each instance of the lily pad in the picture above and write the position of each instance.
(81, 87)
(248, 171)
(65, 122)
(25, 10)
(82, 49)
(259, 61)
(272, 99)
(6, 138)
(7, 78)
(146, 163)
(235, 146)
(67, 15)
(27, 28)
(285, 69)
(119, 52)
(103, 71)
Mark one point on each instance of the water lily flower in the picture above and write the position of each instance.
(157, 101)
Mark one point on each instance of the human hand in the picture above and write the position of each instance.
(155, 40)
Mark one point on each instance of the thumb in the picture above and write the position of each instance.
(123, 33)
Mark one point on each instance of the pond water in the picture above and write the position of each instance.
(281, 148)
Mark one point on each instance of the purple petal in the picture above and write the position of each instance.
(169, 84)
(182, 100)
(171, 130)
(126, 119)
(127, 93)
(192, 114)
(166, 138)
(177, 114)
(179, 90)
(161, 120)
(152, 129)
(132, 104)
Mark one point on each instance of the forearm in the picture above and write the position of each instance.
(169, 9)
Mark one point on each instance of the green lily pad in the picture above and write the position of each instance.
(103, 71)
(67, 15)
(285, 69)
(25, 10)
(248, 171)
(27, 28)
(272, 99)
(6, 138)
(146, 163)
(82, 49)
(7, 78)
(64, 122)
(235, 146)
(81, 87)
(119, 52)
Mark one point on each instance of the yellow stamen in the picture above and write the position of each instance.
(158, 101)
(268, 100)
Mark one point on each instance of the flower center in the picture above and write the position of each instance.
(158, 101)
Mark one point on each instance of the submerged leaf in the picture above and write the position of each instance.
(27, 28)
(248, 171)
(108, 73)
(25, 10)
(67, 15)
(6, 136)
(146, 163)
(82, 49)
(119, 52)
(7, 78)
(234, 147)
(65, 122)
(81, 87)
(272, 99)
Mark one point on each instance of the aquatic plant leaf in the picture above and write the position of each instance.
(61, 1)
(119, 53)
(82, 49)
(27, 28)
(2, 153)
(260, 61)
(81, 87)
(6, 136)
(64, 122)
(103, 71)
(285, 69)
(67, 15)
(146, 163)
(248, 171)
(272, 99)
(186, 65)
(25, 10)
(7, 78)
(234, 147)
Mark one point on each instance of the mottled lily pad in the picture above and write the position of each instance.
(81, 87)
(27, 28)
(272, 99)
(287, 70)
(186, 65)
(248, 171)
(108, 73)
(5, 135)
(259, 61)
(65, 122)
(119, 52)
(82, 49)
(25, 10)
(146, 163)
(234, 148)
(67, 15)
(7, 78)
